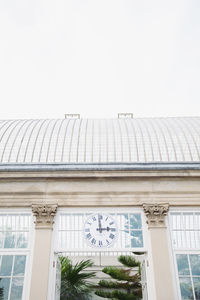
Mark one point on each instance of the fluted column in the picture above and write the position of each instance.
(44, 219)
(156, 214)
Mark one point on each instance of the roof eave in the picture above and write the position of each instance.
(154, 166)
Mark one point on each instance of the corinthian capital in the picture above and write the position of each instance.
(155, 214)
(44, 215)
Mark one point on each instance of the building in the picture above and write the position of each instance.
(141, 174)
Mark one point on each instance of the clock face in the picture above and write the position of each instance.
(100, 230)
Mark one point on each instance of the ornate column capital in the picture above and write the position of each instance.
(155, 214)
(44, 215)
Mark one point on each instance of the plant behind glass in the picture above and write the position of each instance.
(125, 283)
(75, 282)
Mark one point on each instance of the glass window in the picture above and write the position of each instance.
(12, 269)
(14, 231)
(189, 275)
(182, 264)
(14, 249)
(185, 233)
(128, 232)
(196, 284)
(185, 228)
(186, 288)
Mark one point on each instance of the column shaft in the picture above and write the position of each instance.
(160, 250)
(40, 269)
(161, 264)
(42, 248)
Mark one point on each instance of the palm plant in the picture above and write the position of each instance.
(74, 279)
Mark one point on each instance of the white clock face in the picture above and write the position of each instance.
(100, 230)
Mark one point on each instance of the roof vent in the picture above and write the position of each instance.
(72, 116)
(125, 116)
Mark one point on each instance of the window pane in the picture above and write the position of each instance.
(6, 265)
(1, 239)
(23, 222)
(10, 239)
(135, 221)
(136, 239)
(195, 264)
(19, 266)
(12, 227)
(22, 240)
(17, 288)
(4, 288)
(124, 239)
(188, 220)
(182, 263)
(186, 288)
(196, 282)
(186, 230)
(122, 220)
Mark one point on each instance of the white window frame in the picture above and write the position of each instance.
(175, 251)
(188, 252)
(146, 247)
(93, 210)
(28, 252)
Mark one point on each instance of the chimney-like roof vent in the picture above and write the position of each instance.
(125, 116)
(72, 116)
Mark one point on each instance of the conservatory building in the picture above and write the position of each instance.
(99, 188)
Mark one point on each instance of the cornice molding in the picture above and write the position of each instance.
(44, 215)
(156, 214)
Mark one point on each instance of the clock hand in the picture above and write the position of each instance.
(100, 228)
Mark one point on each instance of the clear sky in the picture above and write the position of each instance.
(99, 57)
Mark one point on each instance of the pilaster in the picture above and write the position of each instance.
(44, 220)
(156, 214)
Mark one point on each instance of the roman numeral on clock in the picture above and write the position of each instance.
(88, 236)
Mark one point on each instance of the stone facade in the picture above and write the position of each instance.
(154, 192)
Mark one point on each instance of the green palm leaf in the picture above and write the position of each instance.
(75, 282)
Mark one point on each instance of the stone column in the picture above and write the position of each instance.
(44, 219)
(155, 214)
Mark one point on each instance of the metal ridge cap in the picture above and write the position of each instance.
(150, 166)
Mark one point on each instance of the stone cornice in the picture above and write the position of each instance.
(44, 215)
(156, 214)
(11, 174)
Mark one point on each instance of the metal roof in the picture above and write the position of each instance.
(79, 141)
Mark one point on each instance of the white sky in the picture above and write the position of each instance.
(99, 57)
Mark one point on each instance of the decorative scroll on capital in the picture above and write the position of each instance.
(44, 215)
(156, 214)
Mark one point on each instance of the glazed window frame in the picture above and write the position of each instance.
(16, 241)
(67, 231)
(184, 225)
(97, 253)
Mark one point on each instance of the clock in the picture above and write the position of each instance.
(100, 230)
